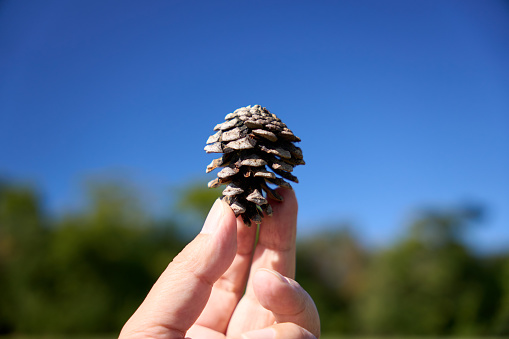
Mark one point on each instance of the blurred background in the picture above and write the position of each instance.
(403, 112)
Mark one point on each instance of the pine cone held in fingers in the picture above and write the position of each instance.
(252, 139)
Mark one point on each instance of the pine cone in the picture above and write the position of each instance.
(250, 139)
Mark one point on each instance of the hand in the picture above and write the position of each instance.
(201, 292)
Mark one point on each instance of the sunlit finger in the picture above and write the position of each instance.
(228, 290)
(287, 300)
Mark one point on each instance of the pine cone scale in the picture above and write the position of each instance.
(265, 134)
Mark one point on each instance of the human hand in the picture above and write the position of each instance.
(201, 292)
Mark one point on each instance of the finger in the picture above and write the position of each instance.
(276, 251)
(280, 331)
(287, 300)
(202, 332)
(230, 287)
(181, 292)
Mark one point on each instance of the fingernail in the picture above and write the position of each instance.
(265, 333)
(213, 218)
(275, 273)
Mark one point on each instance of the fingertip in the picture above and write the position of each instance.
(220, 213)
(280, 331)
(264, 274)
(286, 299)
(226, 231)
(213, 218)
(264, 333)
(280, 230)
(289, 204)
(277, 293)
(216, 244)
(287, 193)
(226, 208)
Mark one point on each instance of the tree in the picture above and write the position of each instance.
(85, 272)
(331, 266)
(22, 236)
(429, 283)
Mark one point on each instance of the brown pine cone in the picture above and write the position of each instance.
(250, 139)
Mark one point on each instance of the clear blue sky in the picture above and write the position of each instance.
(400, 104)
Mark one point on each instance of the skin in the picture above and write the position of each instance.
(222, 286)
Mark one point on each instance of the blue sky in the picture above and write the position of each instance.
(400, 105)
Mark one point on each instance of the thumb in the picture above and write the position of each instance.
(287, 300)
(181, 292)
(280, 331)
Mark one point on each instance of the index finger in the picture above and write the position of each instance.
(181, 292)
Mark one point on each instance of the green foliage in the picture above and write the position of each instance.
(501, 324)
(196, 199)
(87, 271)
(428, 283)
(331, 267)
(21, 237)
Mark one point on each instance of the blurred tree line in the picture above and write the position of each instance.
(87, 271)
